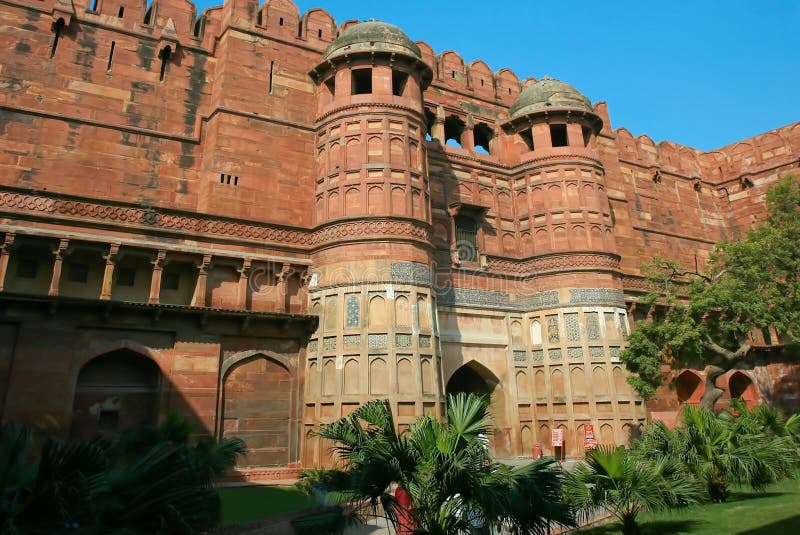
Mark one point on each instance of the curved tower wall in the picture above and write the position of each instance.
(569, 375)
(371, 285)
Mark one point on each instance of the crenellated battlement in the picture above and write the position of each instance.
(777, 147)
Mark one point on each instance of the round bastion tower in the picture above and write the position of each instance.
(569, 376)
(371, 284)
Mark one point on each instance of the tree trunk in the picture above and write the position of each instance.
(724, 360)
(629, 525)
(712, 392)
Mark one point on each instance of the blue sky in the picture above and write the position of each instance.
(704, 73)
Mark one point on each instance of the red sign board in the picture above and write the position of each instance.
(589, 440)
(558, 437)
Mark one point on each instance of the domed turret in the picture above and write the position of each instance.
(549, 94)
(372, 36)
(373, 39)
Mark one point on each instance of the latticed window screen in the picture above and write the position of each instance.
(466, 238)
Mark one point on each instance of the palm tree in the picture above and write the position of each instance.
(616, 481)
(85, 488)
(212, 456)
(723, 449)
(444, 467)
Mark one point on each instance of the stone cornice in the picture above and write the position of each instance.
(365, 229)
(554, 263)
(92, 212)
(358, 109)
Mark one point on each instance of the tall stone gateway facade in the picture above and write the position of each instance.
(264, 219)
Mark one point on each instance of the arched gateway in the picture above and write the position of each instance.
(475, 378)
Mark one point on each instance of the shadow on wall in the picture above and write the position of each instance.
(78, 383)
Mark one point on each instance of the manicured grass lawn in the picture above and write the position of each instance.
(245, 504)
(774, 512)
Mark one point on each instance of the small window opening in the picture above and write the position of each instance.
(280, 21)
(126, 276)
(121, 12)
(199, 24)
(108, 422)
(587, 136)
(27, 268)
(110, 56)
(330, 84)
(509, 90)
(300, 29)
(319, 34)
(78, 273)
(94, 6)
(271, 74)
(453, 128)
(527, 137)
(148, 15)
(399, 80)
(452, 74)
(260, 19)
(558, 135)
(170, 280)
(466, 238)
(482, 136)
(58, 27)
(165, 54)
(362, 81)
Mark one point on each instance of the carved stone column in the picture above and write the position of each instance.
(155, 281)
(437, 131)
(5, 251)
(59, 253)
(282, 276)
(108, 274)
(244, 280)
(199, 299)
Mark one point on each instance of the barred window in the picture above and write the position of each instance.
(466, 238)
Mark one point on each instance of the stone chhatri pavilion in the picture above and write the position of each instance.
(262, 219)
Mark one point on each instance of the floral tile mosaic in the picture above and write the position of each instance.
(329, 343)
(538, 355)
(596, 353)
(554, 354)
(312, 345)
(352, 340)
(520, 356)
(573, 328)
(377, 341)
(402, 340)
(553, 336)
(353, 312)
(575, 353)
(592, 326)
(424, 340)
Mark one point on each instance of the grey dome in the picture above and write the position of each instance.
(549, 93)
(372, 36)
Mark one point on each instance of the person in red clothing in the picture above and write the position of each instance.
(405, 512)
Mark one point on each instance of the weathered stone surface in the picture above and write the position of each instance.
(195, 192)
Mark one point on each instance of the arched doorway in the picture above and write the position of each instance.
(741, 386)
(115, 392)
(689, 387)
(475, 378)
(257, 406)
